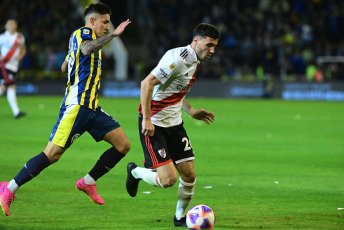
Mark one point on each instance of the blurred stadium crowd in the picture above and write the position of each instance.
(46, 26)
(259, 39)
(279, 38)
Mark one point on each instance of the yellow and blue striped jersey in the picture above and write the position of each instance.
(84, 72)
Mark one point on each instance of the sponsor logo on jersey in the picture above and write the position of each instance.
(184, 88)
(162, 153)
(75, 137)
(172, 66)
(86, 32)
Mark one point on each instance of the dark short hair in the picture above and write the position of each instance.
(99, 8)
(206, 30)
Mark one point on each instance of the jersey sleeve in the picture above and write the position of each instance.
(86, 33)
(167, 64)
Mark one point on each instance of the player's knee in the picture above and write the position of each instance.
(54, 158)
(124, 147)
(190, 177)
(169, 181)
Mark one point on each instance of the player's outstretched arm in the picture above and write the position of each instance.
(198, 114)
(91, 46)
(119, 30)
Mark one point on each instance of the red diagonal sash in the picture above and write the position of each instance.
(13, 49)
(9, 56)
(157, 106)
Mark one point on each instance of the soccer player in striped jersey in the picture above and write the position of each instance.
(12, 51)
(79, 110)
(166, 145)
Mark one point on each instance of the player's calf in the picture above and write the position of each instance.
(185, 194)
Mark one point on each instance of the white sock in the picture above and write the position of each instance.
(89, 180)
(12, 100)
(185, 193)
(12, 186)
(148, 175)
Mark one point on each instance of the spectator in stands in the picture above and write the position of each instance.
(12, 51)
(276, 28)
(286, 29)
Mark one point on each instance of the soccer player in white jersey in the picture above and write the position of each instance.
(12, 50)
(166, 146)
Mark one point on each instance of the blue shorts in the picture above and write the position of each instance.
(74, 120)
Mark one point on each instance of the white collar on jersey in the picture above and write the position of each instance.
(7, 33)
(193, 57)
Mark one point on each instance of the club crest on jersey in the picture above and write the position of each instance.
(172, 66)
(162, 153)
(75, 137)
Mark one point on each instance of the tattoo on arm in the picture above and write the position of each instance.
(87, 47)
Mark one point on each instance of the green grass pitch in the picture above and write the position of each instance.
(263, 164)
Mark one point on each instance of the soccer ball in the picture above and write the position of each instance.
(200, 217)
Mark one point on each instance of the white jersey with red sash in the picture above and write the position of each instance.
(176, 71)
(11, 45)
